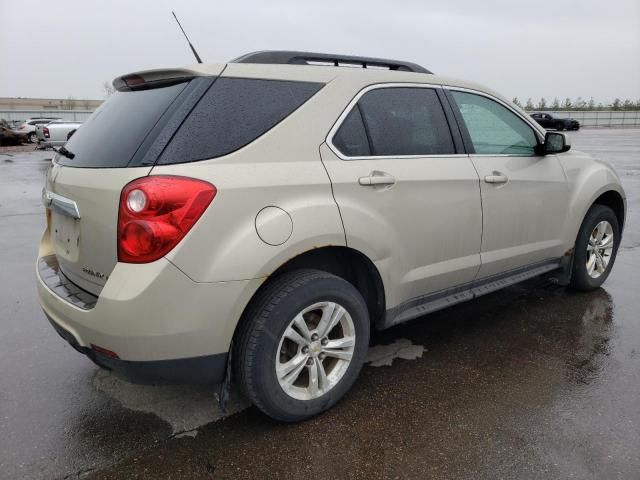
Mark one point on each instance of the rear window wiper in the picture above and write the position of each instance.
(65, 152)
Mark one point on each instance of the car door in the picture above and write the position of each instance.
(409, 199)
(525, 195)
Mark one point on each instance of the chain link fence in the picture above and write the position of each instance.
(600, 118)
(22, 115)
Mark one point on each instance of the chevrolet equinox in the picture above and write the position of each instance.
(256, 220)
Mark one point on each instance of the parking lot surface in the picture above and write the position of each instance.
(535, 381)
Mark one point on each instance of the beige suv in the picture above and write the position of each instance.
(263, 216)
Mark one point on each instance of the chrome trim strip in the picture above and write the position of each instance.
(60, 204)
(352, 103)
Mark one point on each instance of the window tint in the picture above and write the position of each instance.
(233, 113)
(351, 138)
(493, 128)
(113, 133)
(405, 121)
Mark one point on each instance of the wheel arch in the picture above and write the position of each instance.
(344, 262)
(615, 201)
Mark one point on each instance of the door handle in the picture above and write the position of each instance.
(377, 178)
(497, 177)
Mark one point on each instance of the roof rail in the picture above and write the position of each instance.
(326, 59)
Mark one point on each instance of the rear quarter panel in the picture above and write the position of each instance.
(281, 168)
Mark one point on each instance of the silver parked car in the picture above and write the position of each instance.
(28, 127)
(56, 133)
(261, 217)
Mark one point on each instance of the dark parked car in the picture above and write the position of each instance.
(548, 120)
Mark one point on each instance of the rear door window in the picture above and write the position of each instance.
(351, 138)
(398, 121)
(233, 113)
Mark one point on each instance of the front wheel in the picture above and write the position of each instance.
(302, 345)
(596, 248)
(560, 126)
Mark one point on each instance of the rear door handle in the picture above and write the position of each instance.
(377, 178)
(497, 177)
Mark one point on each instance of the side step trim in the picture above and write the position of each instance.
(416, 307)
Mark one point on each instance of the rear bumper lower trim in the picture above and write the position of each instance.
(207, 370)
(56, 281)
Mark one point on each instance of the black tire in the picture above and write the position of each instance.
(32, 137)
(560, 126)
(580, 278)
(263, 325)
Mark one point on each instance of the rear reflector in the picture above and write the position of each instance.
(156, 212)
(104, 351)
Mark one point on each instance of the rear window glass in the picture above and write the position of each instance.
(112, 134)
(233, 113)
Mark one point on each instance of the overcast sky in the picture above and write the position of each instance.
(68, 48)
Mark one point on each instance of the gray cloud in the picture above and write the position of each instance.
(526, 49)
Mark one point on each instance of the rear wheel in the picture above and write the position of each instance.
(302, 345)
(596, 248)
(32, 138)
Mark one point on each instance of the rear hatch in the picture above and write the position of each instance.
(117, 144)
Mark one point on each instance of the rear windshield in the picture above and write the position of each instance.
(112, 134)
(233, 113)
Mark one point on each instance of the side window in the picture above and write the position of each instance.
(233, 113)
(493, 128)
(396, 121)
(351, 138)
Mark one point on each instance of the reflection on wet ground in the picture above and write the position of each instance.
(535, 381)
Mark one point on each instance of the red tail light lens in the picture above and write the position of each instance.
(45, 132)
(156, 212)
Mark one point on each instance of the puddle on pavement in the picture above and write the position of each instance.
(383, 355)
(188, 407)
(184, 407)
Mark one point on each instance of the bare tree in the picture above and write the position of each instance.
(516, 101)
(542, 104)
(108, 89)
(529, 104)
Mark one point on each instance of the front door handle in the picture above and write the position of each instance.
(497, 177)
(377, 178)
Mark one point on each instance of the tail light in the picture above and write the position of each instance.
(22, 127)
(156, 212)
(45, 132)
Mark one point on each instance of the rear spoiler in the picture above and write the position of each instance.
(149, 79)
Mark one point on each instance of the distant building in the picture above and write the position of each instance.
(9, 103)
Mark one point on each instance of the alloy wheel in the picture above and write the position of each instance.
(315, 350)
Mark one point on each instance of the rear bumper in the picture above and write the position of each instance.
(164, 327)
(209, 369)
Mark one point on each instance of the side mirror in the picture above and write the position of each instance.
(555, 142)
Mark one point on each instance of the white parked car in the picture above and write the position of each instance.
(28, 127)
(261, 217)
(56, 133)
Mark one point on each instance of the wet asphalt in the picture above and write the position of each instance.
(535, 381)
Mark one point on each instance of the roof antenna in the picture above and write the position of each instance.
(185, 36)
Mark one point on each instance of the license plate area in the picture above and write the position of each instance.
(65, 236)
